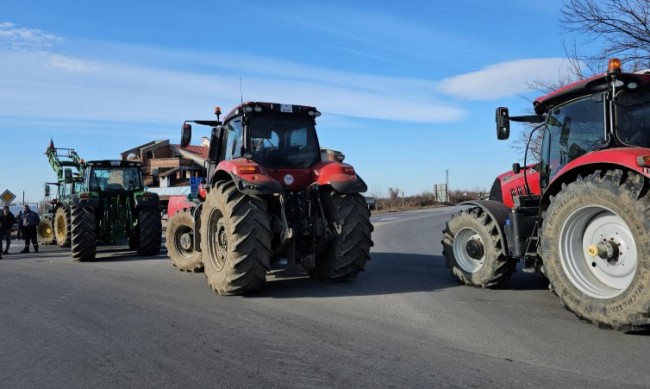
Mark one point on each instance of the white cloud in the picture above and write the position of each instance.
(69, 64)
(25, 39)
(103, 90)
(504, 79)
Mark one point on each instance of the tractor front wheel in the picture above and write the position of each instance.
(45, 230)
(180, 242)
(149, 231)
(83, 241)
(235, 240)
(595, 245)
(349, 249)
(62, 226)
(473, 252)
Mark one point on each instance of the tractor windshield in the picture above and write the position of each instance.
(633, 118)
(115, 178)
(572, 130)
(283, 141)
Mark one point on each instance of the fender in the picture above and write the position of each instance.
(498, 212)
(85, 199)
(146, 199)
(626, 158)
(249, 177)
(340, 176)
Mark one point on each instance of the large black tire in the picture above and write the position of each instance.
(236, 240)
(149, 231)
(595, 245)
(62, 228)
(349, 250)
(84, 236)
(473, 252)
(179, 238)
(45, 231)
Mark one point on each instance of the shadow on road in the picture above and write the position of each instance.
(111, 253)
(122, 254)
(386, 273)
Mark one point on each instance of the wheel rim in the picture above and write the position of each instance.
(184, 241)
(218, 240)
(598, 252)
(466, 261)
(60, 225)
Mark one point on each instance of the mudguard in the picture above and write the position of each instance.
(147, 199)
(248, 176)
(340, 176)
(87, 200)
(498, 212)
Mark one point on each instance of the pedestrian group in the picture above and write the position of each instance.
(27, 223)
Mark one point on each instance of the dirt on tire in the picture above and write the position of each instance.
(625, 197)
(237, 240)
(492, 267)
(180, 242)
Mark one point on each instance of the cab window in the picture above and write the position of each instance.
(572, 130)
(233, 141)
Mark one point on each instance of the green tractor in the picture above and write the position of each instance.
(55, 222)
(112, 208)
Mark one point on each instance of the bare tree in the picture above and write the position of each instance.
(620, 27)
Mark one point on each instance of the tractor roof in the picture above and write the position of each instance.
(587, 86)
(113, 163)
(254, 106)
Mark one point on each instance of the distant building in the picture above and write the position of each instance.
(168, 168)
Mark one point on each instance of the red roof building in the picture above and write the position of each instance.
(167, 165)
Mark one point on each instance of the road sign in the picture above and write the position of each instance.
(194, 184)
(7, 196)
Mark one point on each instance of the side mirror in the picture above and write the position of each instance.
(67, 175)
(516, 167)
(503, 123)
(186, 134)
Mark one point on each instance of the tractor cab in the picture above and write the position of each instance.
(106, 176)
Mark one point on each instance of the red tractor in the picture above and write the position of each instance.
(269, 198)
(582, 214)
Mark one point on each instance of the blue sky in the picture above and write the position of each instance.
(407, 89)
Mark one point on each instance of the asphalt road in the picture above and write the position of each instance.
(125, 321)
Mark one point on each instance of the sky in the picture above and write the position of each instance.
(407, 90)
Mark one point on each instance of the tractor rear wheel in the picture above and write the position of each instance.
(235, 240)
(473, 252)
(149, 231)
(349, 249)
(83, 241)
(595, 245)
(62, 226)
(45, 231)
(180, 242)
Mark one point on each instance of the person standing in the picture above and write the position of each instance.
(2, 224)
(19, 226)
(5, 232)
(29, 222)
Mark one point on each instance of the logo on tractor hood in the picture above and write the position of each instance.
(288, 179)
